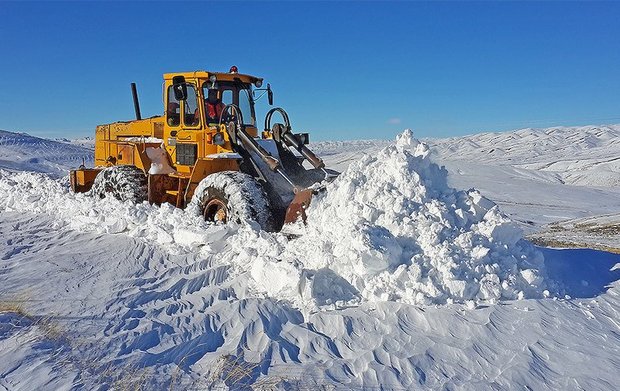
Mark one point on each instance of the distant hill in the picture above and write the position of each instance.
(22, 152)
(86, 142)
(580, 155)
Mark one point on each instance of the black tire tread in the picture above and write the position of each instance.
(125, 183)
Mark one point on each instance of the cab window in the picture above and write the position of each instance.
(238, 94)
(191, 114)
(245, 105)
(227, 97)
(173, 113)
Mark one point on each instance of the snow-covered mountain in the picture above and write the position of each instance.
(399, 281)
(86, 142)
(586, 155)
(583, 155)
(22, 152)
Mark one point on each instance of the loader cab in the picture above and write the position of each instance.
(186, 98)
(189, 133)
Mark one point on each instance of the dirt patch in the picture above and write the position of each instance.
(561, 243)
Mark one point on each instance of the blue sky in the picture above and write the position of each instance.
(343, 70)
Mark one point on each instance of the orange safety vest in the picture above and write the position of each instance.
(214, 110)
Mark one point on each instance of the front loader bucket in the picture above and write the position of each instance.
(297, 208)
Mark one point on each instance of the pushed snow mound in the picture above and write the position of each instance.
(390, 228)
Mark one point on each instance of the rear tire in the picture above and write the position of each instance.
(233, 196)
(125, 183)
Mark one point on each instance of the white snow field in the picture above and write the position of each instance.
(399, 280)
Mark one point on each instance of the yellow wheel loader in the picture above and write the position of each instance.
(207, 149)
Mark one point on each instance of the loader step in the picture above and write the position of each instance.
(180, 175)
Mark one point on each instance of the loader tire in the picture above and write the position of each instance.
(125, 183)
(233, 196)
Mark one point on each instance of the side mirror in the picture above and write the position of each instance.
(269, 94)
(179, 87)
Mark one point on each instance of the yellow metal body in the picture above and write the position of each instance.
(125, 143)
(82, 179)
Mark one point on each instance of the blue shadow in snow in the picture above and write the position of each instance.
(584, 273)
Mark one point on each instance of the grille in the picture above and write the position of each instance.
(186, 154)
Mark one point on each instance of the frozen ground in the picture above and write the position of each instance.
(599, 232)
(409, 284)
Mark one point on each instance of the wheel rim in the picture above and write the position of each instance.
(215, 210)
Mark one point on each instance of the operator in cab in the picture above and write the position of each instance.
(213, 106)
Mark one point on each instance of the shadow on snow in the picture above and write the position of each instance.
(584, 273)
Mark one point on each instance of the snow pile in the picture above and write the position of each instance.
(390, 228)
(145, 140)
(172, 228)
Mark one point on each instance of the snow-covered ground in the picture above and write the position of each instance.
(399, 281)
(539, 176)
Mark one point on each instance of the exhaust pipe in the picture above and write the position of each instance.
(136, 104)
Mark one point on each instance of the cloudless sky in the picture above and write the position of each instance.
(343, 70)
